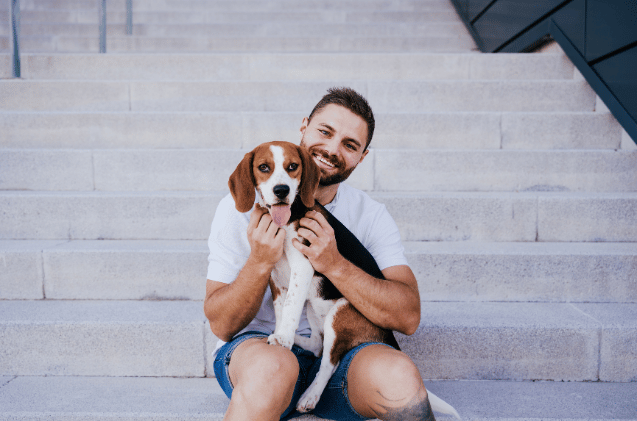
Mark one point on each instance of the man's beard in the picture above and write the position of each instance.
(330, 179)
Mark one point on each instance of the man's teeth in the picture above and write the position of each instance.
(323, 160)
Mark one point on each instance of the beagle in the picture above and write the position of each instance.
(286, 178)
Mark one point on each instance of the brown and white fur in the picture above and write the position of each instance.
(286, 178)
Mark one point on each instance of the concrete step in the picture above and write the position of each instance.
(446, 271)
(242, 5)
(385, 97)
(500, 217)
(481, 341)
(118, 17)
(195, 399)
(104, 338)
(245, 130)
(299, 67)
(251, 29)
(136, 44)
(388, 170)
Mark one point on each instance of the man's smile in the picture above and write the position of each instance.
(320, 160)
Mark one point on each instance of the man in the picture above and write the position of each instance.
(265, 381)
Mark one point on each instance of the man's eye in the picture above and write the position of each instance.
(293, 167)
(264, 168)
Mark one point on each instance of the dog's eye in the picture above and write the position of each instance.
(264, 168)
(293, 167)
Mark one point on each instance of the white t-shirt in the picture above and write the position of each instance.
(367, 219)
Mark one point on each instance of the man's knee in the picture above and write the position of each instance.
(265, 375)
(391, 372)
(388, 383)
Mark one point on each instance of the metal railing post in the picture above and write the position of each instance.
(129, 17)
(14, 17)
(102, 17)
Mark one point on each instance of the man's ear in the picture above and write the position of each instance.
(309, 178)
(242, 183)
(363, 156)
(304, 125)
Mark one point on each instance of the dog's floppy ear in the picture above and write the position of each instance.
(241, 184)
(309, 178)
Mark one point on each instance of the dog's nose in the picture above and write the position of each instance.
(281, 190)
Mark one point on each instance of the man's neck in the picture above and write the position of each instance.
(325, 194)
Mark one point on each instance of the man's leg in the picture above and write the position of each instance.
(384, 383)
(263, 377)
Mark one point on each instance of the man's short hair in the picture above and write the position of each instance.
(353, 101)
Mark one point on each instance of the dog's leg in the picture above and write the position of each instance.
(328, 365)
(301, 273)
(317, 310)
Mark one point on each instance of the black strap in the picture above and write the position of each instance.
(352, 249)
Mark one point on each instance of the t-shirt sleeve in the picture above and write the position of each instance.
(228, 242)
(383, 240)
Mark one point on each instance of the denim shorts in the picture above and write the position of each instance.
(334, 403)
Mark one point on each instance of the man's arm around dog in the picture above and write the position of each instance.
(392, 303)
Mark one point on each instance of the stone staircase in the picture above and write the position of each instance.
(514, 188)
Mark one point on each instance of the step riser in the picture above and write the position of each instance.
(382, 170)
(425, 217)
(504, 171)
(385, 97)
(246, 44)
(609, 218)
(116, 350)
(83, 344)
(502, 341)
(216, 17)
(305, 67)
(521, 342)
(108, 217)
(144, 270)
(254, 5)
(307, 30)
(246, 130)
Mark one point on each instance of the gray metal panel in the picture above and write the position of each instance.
(475, 7)
(571, 19)
(611, 25)
(620, 75)
(507, 18)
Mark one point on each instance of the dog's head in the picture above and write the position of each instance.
(280, 171)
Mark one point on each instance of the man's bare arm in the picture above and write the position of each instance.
(230, 307)
(392, 303)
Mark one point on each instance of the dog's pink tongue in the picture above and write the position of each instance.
(280, 214)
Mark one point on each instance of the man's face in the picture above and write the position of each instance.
(336, 139)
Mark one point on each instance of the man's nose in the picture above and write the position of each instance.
(281, 190)
(331, 147)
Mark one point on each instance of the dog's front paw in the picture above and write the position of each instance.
(308, 401)
(281, 340)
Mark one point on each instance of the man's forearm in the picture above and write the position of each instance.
(388, 303)
(232, 307)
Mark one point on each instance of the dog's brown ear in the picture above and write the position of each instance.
(241, 184)
(309, 179)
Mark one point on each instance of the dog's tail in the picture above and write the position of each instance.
(441, 406)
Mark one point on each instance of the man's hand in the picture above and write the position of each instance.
(322, 252)
(265, 237)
